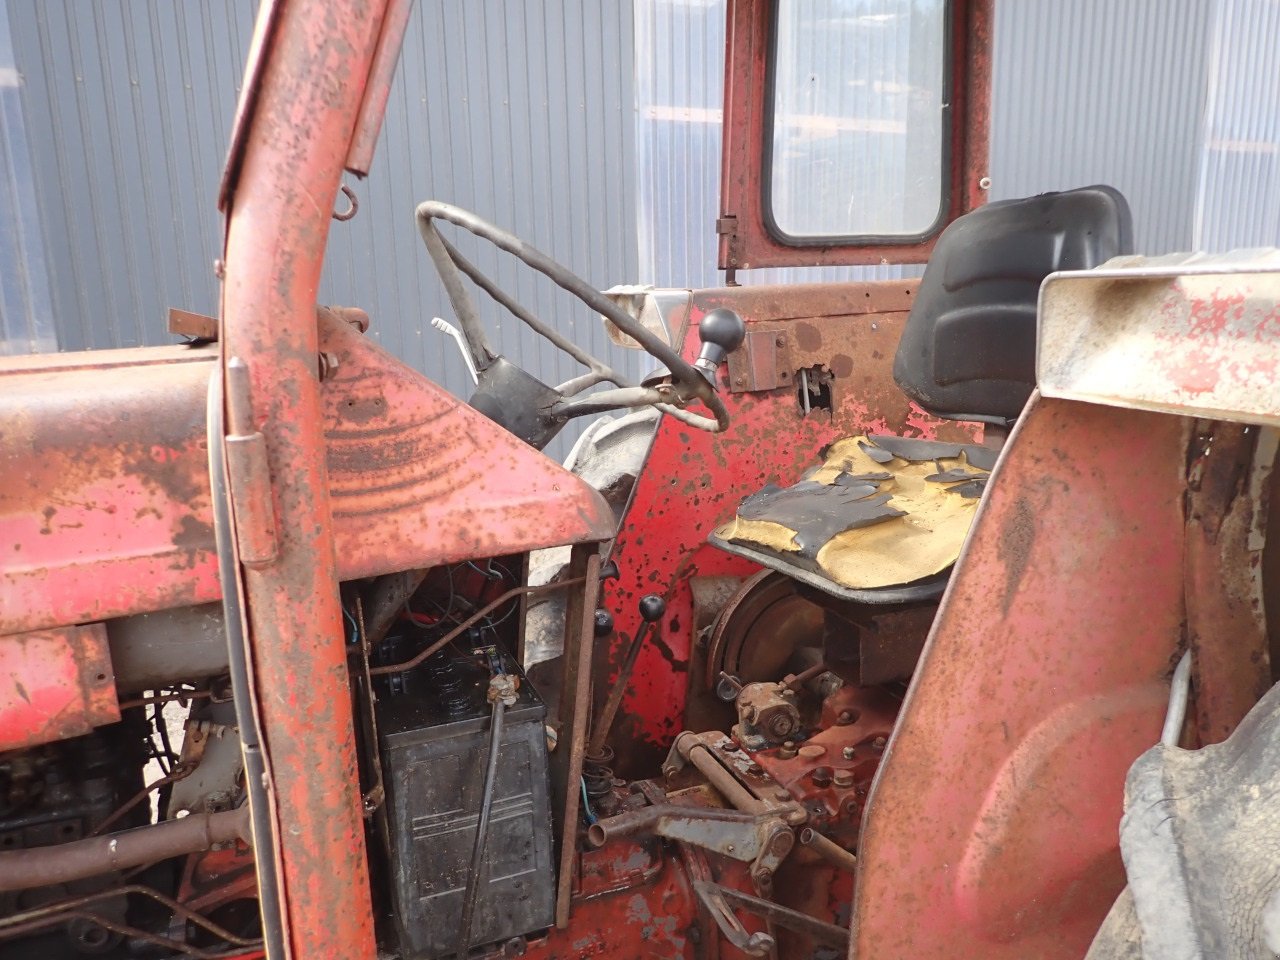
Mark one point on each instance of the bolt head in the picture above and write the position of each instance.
(848, 753)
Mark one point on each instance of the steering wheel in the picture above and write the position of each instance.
(721, 331)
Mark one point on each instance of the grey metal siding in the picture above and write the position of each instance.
(128, 107)
(590, 128)
(1239, 196)
(522, 112)
(1104, 91)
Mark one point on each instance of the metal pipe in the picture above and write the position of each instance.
(646, 819)
(482, 827)
(828, 849)
(301, 103)
(66, 862)
(697, 753)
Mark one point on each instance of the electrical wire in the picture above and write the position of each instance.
(586, 803)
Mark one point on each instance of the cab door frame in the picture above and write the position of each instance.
(745, 239)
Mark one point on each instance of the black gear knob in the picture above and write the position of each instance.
(652, 607)
(722, 331)
(604, 623)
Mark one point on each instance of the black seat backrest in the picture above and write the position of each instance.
(968, 351)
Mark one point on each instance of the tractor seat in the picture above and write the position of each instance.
(881, 519)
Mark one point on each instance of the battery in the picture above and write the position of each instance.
(435, 740)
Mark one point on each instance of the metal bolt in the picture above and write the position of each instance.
(328, 364)
(821, 776)
(846, 717)
(844, 778)
(781, 341)
(781, 795)
(755, 769)
(729, 848)
(782, 843)
(787, 750)
(879, 743)
(847, 753)
(219, 269)
(984, 183)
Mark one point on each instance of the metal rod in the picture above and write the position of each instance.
(646, 818)
(783, 916)
(59, 908)
(65, 862)
(235, 624)
(115, 926)
(697, 753)
(828, 849)
(482, 828)
(478, 615)
(605, 722)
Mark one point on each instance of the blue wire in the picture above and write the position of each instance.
(586, 804)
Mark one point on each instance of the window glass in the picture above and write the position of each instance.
(858, 125)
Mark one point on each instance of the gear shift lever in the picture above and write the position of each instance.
(722, 331)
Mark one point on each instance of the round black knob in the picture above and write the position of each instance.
(604, 623)
(652, 607)
(722, 331)
(724, 328)
(609, 570)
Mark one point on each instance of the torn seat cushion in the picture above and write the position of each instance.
(878, 511)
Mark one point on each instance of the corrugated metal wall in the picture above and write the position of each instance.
(679, 81)
(592, 129)
(1104, 91)
(1239, 197)
(1111, 91)
(126, 106)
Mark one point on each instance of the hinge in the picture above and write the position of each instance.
(727, 226)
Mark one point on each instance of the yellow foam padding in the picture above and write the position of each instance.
(898, 550)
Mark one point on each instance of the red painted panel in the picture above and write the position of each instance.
(105, 510)
(994, 822)
(745, 240)
(694, 481)
(55, 684)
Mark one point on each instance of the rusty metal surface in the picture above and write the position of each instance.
(745, 241)
(574, 716)
(55, 684)
(1045, 675)
(104, 509)
(108, 511)
(693, 481)
(378, 87)
(1226, 533)
(655, 915)
(305, 101)
(1185, 333)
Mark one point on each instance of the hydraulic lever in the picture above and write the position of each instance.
(652, 607)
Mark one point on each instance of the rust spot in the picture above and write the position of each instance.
(841, 365)
(808, 336)
(1014, 548)
(193, 533)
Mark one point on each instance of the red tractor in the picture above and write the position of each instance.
(890, 619)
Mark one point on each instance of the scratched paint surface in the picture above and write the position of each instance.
(1045, 675)
(694, 481)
